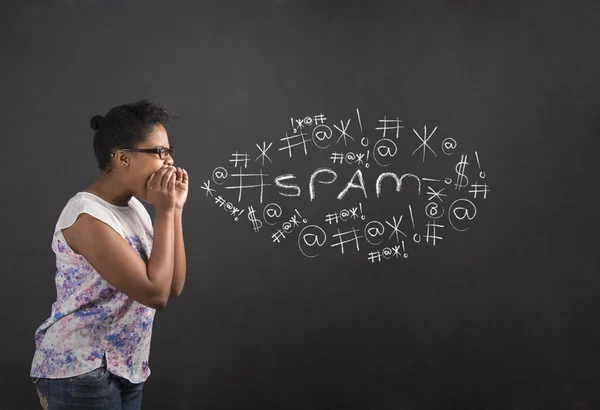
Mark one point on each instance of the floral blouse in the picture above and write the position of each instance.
(92, 323)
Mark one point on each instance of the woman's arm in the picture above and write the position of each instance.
(179, 270)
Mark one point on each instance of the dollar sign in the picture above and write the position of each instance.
(255, 222)
(461, 179)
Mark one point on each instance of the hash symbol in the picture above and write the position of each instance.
(220, 201)
(239, 158)
(331, 218)
(342, 242)
(277, 236)
(207, 188)
(337, 156)
(375, 255)
(319, 117)
(385, 128)
(241, 186)
(263, 152)
(431, 232)
(479, 188)
(290, 146)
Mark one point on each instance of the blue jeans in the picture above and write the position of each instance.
(95, 390)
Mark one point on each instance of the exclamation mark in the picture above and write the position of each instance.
(238, 215)
(404, 250)
(293, 129)
(364, 141)
(481, 174)
(359, 122)
(303, 219)
(416, 236)
(361, 211)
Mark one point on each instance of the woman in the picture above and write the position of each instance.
(114, 269)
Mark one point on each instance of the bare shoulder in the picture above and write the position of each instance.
(112, 257)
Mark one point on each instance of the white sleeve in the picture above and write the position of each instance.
(141, 209)
(79, 206)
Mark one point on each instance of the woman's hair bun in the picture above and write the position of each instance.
(96, 121)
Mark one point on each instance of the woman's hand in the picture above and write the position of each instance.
(181, 187)
(161, 190)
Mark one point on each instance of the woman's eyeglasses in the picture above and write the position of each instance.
(162, 152)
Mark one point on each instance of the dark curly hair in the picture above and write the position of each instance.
(125, 126)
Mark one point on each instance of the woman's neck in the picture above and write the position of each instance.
(108, 189)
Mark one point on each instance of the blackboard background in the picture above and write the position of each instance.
(502, 316)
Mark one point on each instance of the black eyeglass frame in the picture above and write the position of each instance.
(158, 151)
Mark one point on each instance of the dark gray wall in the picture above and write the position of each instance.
(502, 315)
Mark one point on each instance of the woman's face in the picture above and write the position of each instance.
(145, 164)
